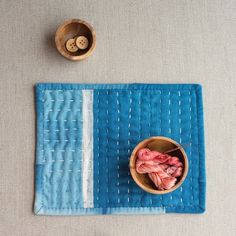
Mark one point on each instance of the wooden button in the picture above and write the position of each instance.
(82, 42)
(71, 46)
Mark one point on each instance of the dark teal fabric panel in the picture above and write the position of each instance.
(127, 116)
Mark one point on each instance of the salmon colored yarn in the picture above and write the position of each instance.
(161, 168)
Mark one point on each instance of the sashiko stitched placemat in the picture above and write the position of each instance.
(86, 133)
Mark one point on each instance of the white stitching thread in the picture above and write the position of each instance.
(180, 139)
(190, 146)
(169, 103)
(107, 147)
(118, 143)
(129, 125)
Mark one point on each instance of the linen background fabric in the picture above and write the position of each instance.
(142, 41)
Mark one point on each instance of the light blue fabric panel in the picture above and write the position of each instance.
(123, 115)
(58, 163)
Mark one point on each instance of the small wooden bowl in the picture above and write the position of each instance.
(69, 29)
(161, 144)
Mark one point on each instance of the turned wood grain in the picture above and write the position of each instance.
(161, 144)
(74, 28)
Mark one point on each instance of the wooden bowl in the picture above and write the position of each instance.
(161, 144)
(69, 29)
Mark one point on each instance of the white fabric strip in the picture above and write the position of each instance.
(87, 149)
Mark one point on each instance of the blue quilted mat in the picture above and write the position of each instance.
(86, 133)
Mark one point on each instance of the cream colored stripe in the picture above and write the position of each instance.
(87, 149)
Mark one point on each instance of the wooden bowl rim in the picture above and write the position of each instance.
(59, 46)
(133, 169)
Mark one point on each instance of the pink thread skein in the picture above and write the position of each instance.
(161, 168)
